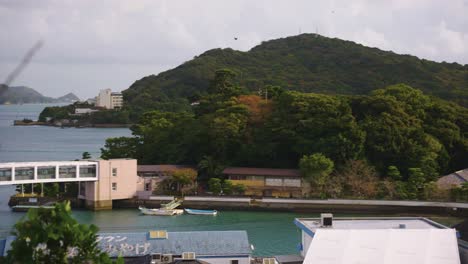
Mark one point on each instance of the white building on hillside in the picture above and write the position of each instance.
(109, 100)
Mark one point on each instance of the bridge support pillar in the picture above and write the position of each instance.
(99, 205)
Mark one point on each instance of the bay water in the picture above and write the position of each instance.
(271, 233)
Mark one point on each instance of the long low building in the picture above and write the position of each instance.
(268, 182)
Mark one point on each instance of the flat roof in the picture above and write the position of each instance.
(370, 246)
(203, 243)
(310, 225)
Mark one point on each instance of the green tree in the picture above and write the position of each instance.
(223, 83)
(86, 155)
(208, 168)
(416, 181)
(316, 168)
(239, 189)
(53, 236)
(183, 177)
(227, 187)
(394, 173)
(214, 185)
(121, 147)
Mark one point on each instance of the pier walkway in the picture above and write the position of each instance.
(13, 173)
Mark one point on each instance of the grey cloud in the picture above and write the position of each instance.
(91, 45)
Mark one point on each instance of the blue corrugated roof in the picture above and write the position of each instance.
(203, 243)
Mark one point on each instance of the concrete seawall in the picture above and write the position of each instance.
(307, 206)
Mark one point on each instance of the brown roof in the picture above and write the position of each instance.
(262, 171)
(454, 179)
(162, 167)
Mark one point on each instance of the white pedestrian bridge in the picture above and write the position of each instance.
(49, 171)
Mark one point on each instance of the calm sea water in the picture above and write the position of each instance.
(270, 233)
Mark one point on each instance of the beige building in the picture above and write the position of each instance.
(109, 100)
(268, 182)
(117, 180)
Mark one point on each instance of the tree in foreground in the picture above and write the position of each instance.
(54, 236)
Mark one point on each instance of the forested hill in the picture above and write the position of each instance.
(307, 63)
(26, 95)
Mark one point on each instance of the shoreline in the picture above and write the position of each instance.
(37, 123)
(280, 205)
(306, 206)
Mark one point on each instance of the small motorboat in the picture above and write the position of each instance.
(160, 211)
(201, 212)
(25, 208)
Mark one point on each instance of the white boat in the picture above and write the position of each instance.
(160, 211)
(201, 212)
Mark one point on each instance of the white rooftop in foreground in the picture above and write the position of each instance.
(422, 245)
(373, 223)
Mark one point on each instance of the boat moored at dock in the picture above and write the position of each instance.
(160, 211)
(200, 212)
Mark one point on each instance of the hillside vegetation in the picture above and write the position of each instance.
(26, 95)
(397, 137)
(306, 63)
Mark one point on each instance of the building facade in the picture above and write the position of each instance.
(154, 175)
(116, 100)
(109, 100)
(117, 180)
(267, 182)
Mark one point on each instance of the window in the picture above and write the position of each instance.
(148, 186)
(87, 171)
(67, 172)
(274, 182)
(24, 173)
(292, 182)
(238, 177)
(234, 261)
(5, 174)
(46, 172)
(269, 261)
(114, 186)
(114, 172)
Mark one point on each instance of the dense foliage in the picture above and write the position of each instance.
(306, 63)
(407, 136)
(57, 113)
(53, 236)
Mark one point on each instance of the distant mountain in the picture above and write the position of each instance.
(308, 63)
(69, 97)
(25, 95)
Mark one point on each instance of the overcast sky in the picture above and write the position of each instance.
(92, 45)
